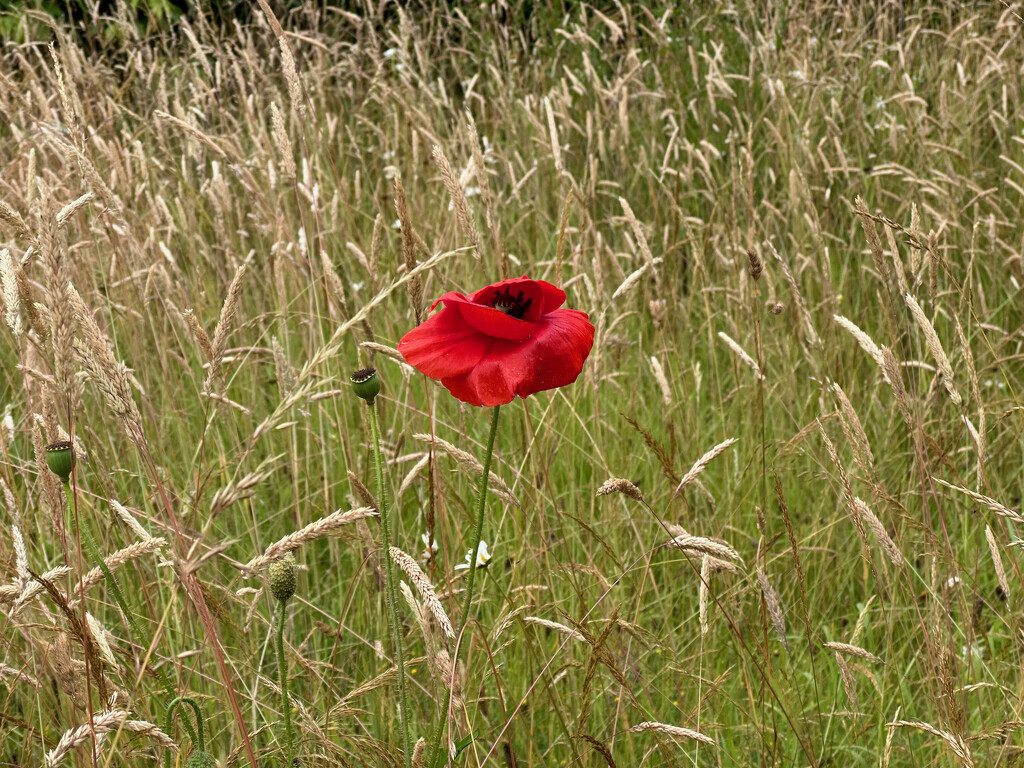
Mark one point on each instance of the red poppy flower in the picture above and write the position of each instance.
(507, 339)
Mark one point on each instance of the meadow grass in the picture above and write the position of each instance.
(774, 522)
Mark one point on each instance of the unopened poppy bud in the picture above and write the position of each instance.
(60, 458)
(281, 574)
(200, 759)
(366, 384)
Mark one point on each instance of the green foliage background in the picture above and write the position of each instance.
(726, 128)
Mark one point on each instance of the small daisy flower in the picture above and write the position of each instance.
(429, 548)
(482, 559)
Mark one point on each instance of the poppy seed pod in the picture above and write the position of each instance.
(200, 759)
(60, 458)
(282, 575)
(366, 384)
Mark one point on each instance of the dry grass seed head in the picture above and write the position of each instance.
(13, 219)
(659, 376)
(931, 339)
(112, 377)
(854, 431)
(334, 283)
(129, 520)
(114, 561)
(620, 485)
(955, 743)
(102, 723)
(881, 534)
(984, 501)
(20, 557)
(853, 650)
(29, 303)
(419, 579)
(676, 732)
(894, 254)
(755, 267)
(99, 637)
(556, 146)
(741, 354)
(865, 341)
(69, 210)
(701, 463)
(60, 304)
(284, 372)
(681, 539)
(641, 239)
(847, 489)
(16, 676)
(554, 625)
(463, 215)
(631, 280)
(10, 503)
(874, 242)
(199, 334)
(244, 488)
(215, 378)
(849, 683)
(797, 298)
(18, 596)
(69, 671)
(894, 375)
(283, 144)
(773, 605)
(419, 753)
(997, 561)
(376, 248)
(325, 526)
(469, 463)
(11, 297)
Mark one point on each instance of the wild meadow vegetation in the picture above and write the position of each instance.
(776, 521)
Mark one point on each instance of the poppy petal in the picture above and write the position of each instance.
(490, 379)
(553, 357)
(495, 323)
(554, 297)
(444, 345)
(461, 389)
(452, 297)
(544, 297)
(486, 356)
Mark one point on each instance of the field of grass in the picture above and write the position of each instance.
(795, 226)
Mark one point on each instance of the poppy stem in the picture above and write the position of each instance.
(172, 709)
(390, 579)
(478, 530)
(468, 600)
(282, 667)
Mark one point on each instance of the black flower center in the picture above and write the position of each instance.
(517, 305)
